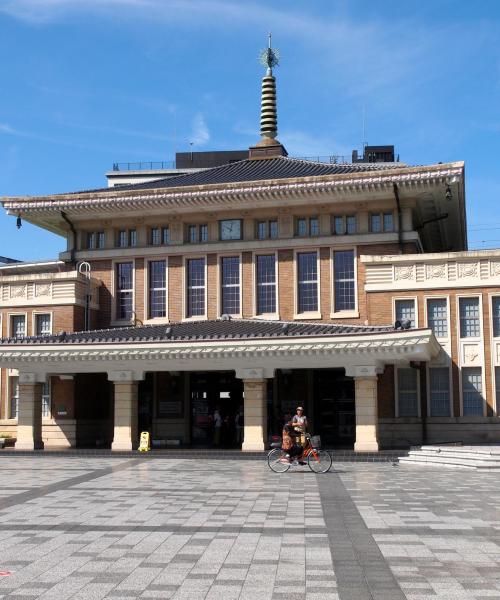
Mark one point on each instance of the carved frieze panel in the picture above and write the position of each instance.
(470, 269)
(18, 291)
(436, 271)
(404, 273)
(494, 268)
(471, 354)
(43, 289)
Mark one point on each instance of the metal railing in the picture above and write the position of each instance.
(150, 165)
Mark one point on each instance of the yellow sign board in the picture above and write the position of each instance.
(145, 442)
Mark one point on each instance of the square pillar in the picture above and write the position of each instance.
(29, 413)
(125, 433)
(366, 414)
(255, 415)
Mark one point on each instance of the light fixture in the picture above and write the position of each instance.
(448, 194)
(19, 222)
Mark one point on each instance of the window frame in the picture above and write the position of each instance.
(406, 298)
(446, 367)
(345, 220)
(47, 383)
(491, 298)
(479, 298)
(239, 256)
(10, 397)
(381, 215)
(114, 319)
(308, 233)
(37, 313)
(185, 316)
(482, 370)
(448, 315)
(308, 314)
(396, 393)
(346, 314)
(9, 322)
(269, 316)
(147, 307)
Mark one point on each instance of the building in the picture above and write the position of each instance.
(261, 284)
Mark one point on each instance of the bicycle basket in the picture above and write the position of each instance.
(316, 441)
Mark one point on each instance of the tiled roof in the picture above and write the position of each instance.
(220, 329)
(280, 167)
(255, 170)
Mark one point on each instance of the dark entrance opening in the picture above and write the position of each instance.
(145, 404)
(334, 412)
(94, 410)
(210, 391)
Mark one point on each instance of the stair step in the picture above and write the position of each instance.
(484, 458)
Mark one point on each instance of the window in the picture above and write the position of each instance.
(155, 236)
(307, 226)
(381, 222)
(343, 277)
(197, 233)
(495, 314)
(388, 222)
(405, 309)
(124, 290)
(307, 276)
(43, 324)
(497, 389)
(469, 317)
(96, 239)
(439, 384)
(126, 237)
(203, 233)
(18, 326)
(266, 283)
(230, 284)
(46, 412)
(375, 224)
(407, 393)
(157, 289)
(14, 397)
(195, 305)
(437, 316)
(344, 225)
(472, 391)
(267, 229)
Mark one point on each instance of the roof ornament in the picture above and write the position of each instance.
(268, 146)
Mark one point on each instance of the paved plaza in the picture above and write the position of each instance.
(131, 527)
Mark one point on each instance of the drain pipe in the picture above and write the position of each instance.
(400, 218)
(73, 231)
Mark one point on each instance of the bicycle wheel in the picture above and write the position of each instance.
(277, 460)
(319, 461)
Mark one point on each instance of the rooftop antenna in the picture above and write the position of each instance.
(364, 129)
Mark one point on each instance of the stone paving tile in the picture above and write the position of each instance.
(188, 529)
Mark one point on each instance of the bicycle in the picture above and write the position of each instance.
(319, 461)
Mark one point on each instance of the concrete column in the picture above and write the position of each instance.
(125, 433)
(255, 408)
(255, 413)
(29, 419)
(365, 387)
(366, 414)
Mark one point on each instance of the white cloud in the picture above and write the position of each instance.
(200, 134)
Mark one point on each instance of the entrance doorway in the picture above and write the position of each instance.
(334, 407)
(210, 391)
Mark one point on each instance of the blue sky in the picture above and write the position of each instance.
(85, 83)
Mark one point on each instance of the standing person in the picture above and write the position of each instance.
(217, 427)
(299, 423)
(238, 425)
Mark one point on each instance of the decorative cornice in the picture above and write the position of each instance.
(400, 344)
(215, 196)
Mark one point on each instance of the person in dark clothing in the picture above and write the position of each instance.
(289, 444)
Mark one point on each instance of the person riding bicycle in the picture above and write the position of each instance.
(299, 423)
(289, 444)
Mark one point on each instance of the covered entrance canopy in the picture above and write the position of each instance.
(254, 349)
